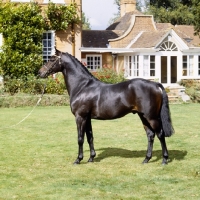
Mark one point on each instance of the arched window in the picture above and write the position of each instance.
(168, 46)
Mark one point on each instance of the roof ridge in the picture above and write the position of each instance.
(135, 39)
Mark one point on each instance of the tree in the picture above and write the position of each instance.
(196, 13)
(85, 22)
(172, 11)
(22, 26)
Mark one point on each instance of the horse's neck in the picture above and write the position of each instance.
(75, 79)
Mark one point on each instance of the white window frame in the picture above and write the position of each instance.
(199, 65)
(149, 66)
(48, 45)
(94, 62)
(188, 65)
(132, 66)
(168, 46)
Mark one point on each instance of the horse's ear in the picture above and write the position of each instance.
(57, 52)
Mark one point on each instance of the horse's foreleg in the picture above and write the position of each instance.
(90, 139)
(150, 137)
(80, 122)
(161, 137)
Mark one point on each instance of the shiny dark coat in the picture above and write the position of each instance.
(93, 99)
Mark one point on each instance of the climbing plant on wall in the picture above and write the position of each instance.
(61, 16)
(22, 25)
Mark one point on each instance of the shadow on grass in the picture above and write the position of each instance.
(124, 153)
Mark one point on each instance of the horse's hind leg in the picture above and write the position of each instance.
(150, 137)
(90, 139)
(161, 137)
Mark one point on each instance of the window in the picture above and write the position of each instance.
(149, 66)
(198, 65)
(48, 43)
(94, 62)
(132, 66)
(188, 65)
(135, 66)
(184, 65)
(168, 46)
(152, 66)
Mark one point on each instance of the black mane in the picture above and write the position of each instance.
(82, 67)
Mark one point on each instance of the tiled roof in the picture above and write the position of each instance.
(124, 22)
(99, 39)
(148, 39)
(136, 30)
(187, 34)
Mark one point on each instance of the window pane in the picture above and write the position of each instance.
(93, 62)
(48, 44)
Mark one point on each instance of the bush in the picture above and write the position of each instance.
(192, 88)
(22, 26)
(32, 85)
(109, 75)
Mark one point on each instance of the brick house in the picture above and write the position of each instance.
(144, 48)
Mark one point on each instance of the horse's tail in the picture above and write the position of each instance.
(165, 114)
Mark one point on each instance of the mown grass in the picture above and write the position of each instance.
(36, 157)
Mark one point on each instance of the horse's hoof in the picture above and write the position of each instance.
(145, 161)
(91, 160)
(77, 162)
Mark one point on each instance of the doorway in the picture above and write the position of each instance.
(168, 69)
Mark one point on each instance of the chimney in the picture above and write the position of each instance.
(127, 6)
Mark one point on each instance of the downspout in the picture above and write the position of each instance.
(73, 39)
(73, 36)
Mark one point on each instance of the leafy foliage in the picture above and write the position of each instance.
(196, 13)
(61, 16)
(32, 85)
(22, 26)
(172, 11)
(109, 75)
(192, 89)
(85, 22)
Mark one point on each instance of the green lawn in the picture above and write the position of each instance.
(36, 157)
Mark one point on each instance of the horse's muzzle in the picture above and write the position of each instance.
(42, 73)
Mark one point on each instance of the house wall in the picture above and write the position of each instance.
(64, 39)
(120, 64)
(107, 59)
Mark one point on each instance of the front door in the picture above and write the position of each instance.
(168, 69)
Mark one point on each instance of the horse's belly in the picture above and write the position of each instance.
(110, 112)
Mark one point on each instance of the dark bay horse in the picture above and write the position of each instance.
(93, 99)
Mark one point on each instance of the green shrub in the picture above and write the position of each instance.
(192, 88)
(109, 75)
(22, 26)
(32, 85)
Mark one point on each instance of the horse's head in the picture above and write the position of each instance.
(52, 66)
